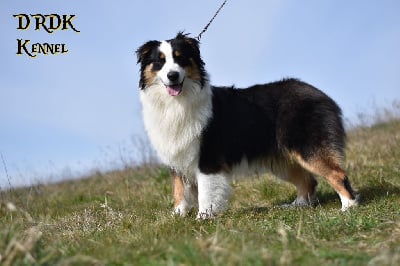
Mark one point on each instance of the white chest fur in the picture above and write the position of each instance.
(174, 124)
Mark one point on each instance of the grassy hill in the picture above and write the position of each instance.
(124, 218)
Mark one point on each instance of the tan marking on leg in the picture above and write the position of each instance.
(329, 168)
(177, 187)
(303, 180)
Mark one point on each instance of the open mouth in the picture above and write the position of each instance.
(174, 90)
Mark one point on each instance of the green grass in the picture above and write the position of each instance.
(124, 218)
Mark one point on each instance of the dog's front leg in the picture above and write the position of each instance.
(185, 193)
(214, 191)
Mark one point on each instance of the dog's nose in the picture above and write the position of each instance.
(173, 76)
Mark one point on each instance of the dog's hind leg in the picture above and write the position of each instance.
(305, 184)
(328, 166)
(185, 194)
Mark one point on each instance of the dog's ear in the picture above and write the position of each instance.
(143, 51)
(191, 41)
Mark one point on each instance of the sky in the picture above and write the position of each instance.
(64, 115)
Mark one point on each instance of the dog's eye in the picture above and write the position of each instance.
(157, 65)
(158, 61)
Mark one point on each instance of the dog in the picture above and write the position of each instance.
(207, 134)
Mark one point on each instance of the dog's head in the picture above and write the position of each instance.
(171, 65)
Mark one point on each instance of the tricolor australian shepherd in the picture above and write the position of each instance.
(205, 134)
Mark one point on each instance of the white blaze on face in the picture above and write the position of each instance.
(170, 65)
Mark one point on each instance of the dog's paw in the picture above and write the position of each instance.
(205, 214)
(181, 210)
(348, 203)
(301, 202)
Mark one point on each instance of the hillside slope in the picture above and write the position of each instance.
(124, 217)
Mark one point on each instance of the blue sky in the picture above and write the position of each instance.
(63, 115)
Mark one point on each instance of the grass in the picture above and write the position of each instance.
(124, 218)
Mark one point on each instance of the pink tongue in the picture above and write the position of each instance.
(174, 90)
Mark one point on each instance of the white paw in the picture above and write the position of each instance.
(182, 209)
(301, 202)
(205, 214)
(347, 203)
